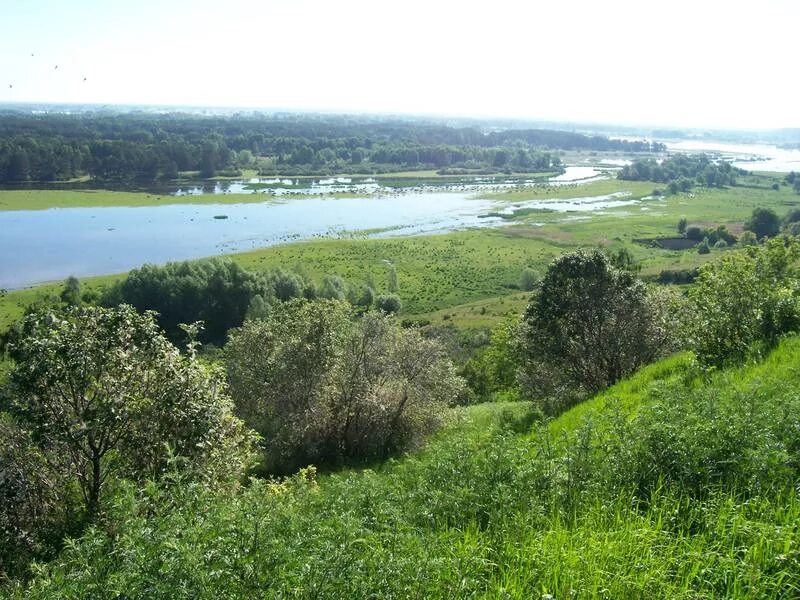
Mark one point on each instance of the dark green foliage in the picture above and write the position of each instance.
(257, 309)
(623, 259)
(71, 294)
(677, 276)
(764, 223)
(793, 179)
(703, 247)
(528, 279)
(589, 325)
(392, 275)
(711, 234)
(324, 387)
(793, 229)
(682, 226)
(333, 288)
(364, 298)
(34, 506)
(389, 303)
(695, 233)
(748, 238)
(793, 216)
(217, 292)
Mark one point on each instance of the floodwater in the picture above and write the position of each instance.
(47, 245)
(288, 186)
(752, 157)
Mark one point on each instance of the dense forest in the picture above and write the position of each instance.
(145, 147)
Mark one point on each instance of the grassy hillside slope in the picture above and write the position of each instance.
(669, 485)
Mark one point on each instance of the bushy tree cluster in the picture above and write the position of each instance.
(222, 294)
(712, 235)
(682, 171)
(323, 387)
(793, 179)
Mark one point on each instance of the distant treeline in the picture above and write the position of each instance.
(682, 171)
(148, 147)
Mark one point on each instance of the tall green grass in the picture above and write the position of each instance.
(669, 485)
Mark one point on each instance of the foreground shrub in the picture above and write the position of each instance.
(323, 387)
(745, 301)
(104, 394)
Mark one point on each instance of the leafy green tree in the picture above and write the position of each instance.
(362, 296)
(492, 373)
(703, 247)
(793, 216)
(528, 279)
(589, 325)
(682, 226)
(322, 386)
(763, 222)
(623, 259)
(744, 301)
(103, 390)
(286, 284)
(389, 303)
(393, 285)
(333, 288)
(695, 233)
(748, 238)
(71, 294)
(257, 309)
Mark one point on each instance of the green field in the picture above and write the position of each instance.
(42, 199)
(636, 189)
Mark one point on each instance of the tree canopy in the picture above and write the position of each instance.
(103, 393)
(588, 325)
(130, 147)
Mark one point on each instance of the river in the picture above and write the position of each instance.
(47, 245)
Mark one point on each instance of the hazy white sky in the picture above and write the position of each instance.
(706, 63)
